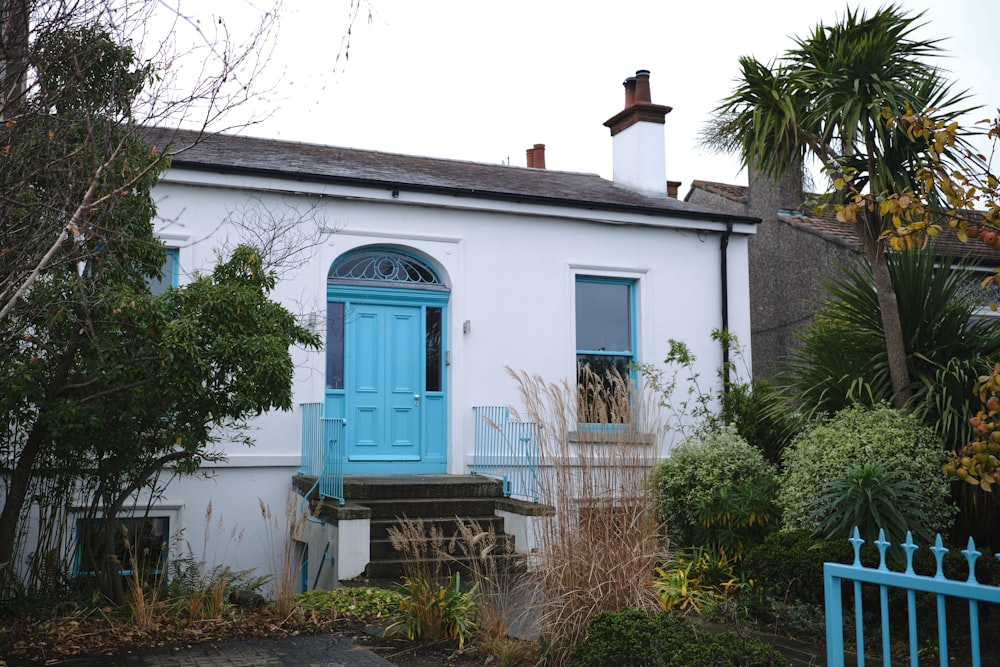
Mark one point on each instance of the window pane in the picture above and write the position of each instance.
(604, 386)
(335, 345)
(137, 543)
(433, 349)
(603, 317)
(169, 278)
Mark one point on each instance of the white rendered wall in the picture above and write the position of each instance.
(511, 269)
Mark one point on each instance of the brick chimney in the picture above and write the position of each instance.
(638, 141)
(536, 157)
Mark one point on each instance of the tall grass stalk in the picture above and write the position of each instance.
(599, 551)
(490, 560)
(281, 535)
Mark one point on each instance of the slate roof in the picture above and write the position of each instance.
(846, 233)
(331, 164)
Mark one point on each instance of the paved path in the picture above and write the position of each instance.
(306, 651)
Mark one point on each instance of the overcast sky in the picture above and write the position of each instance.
(483, 81)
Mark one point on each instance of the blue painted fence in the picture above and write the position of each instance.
(834, 574)
(507, 450)
(323, 450)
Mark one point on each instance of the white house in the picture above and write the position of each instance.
(429, 277)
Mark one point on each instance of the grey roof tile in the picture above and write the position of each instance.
(333, 164)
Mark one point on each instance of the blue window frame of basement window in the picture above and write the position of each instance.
(605, 325)
(169, 278)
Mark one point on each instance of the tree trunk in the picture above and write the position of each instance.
(24, 470)
(17, 492)
(892, 325)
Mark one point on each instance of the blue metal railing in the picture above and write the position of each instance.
(312, 439)
(835, 573)
(323, 450)
(331, 482)
(507, 450)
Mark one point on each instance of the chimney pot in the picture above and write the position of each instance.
(536, 156)
(539, 156)
(629, 84)
(642, 94)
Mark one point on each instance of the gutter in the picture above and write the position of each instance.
(724, 271)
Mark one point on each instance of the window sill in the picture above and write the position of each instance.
(610, 435)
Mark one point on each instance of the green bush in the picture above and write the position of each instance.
(789, 564)
(856, 435)
(631, 638)
(704, 471)
(761, 416)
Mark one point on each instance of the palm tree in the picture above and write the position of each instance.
(838, 95)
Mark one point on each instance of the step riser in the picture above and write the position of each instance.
(358, 491)
(425, 508)
(383, 549)
(449, 526)
(393, 569)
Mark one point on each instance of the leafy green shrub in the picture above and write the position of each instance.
(857, 434)
(360, 602)
(870, 497)
(705, 472)
(631, 638)
(430, 610)
(789, 564)
(761, 416)
(727, 648)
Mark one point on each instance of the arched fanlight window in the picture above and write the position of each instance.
(385, 266)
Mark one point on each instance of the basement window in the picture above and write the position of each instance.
(139, 543)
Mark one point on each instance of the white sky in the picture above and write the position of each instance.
(483, 81)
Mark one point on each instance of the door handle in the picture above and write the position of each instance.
(416, 400)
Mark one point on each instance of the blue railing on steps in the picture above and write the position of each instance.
(323, 450)
(507, 450)
(834, 574)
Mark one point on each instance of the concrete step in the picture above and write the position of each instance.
(445, 508)
(448, 525)
(395, 569)
(383, 549)
(361, 488)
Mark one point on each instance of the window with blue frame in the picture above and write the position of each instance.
(605, 337)
(170, 271)
(139, 543)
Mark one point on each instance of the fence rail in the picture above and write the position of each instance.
(507, 450)
(323, 450)
(834, 574)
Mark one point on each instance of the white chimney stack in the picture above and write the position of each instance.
(638, 140)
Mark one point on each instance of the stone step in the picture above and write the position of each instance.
(445, 508)
(382, 549)
(448, 525)
(395, 569)
(361, 488)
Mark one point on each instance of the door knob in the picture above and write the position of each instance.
(416, 399)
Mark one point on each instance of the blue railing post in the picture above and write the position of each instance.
(332, 478)
(312, 439)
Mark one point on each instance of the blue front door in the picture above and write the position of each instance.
(385, 389)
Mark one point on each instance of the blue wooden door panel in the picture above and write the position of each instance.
(394, 426)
